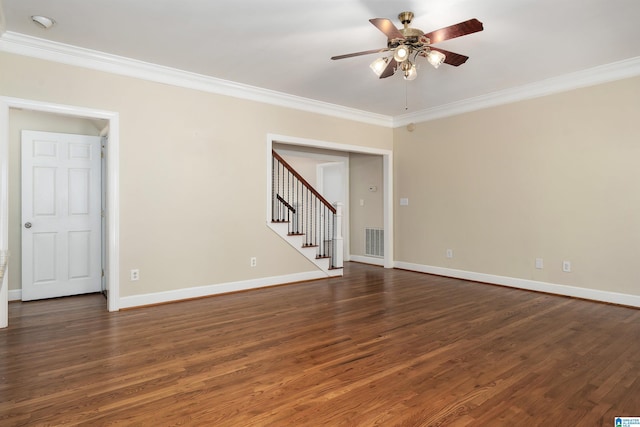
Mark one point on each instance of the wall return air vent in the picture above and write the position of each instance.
(374, 242)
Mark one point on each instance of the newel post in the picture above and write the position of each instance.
(338, 247)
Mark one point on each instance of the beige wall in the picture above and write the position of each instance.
(556, 177)
(192, 172)
(365, 170)
(20, 120)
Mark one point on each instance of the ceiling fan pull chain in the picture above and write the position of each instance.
(406, 96)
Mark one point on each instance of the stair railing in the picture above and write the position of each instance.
(307, 213)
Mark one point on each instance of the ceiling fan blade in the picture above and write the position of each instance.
(366, 52)
(390, 69)
(451, 58)
(453, 31)
(387, 27)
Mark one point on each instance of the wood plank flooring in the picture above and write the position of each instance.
(376, 347)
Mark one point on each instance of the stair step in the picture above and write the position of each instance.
(309, 251)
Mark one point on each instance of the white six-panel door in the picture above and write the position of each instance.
(61, 215)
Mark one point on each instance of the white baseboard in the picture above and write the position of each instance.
(531, 285)
(220, 288)
(15, 294)
(367, 260)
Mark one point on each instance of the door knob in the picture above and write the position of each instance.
(27, 225)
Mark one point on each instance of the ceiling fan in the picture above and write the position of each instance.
(408, 43)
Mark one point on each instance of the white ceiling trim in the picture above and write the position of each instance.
(590, 77)
(21, 44)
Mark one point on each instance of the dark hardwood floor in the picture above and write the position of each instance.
(377, 347)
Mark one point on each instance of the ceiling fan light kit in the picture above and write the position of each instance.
(409, 70)
(379, 65)
(406, 44)
(401, 53)
(436, 58)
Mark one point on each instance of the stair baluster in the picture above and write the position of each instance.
(307, 213)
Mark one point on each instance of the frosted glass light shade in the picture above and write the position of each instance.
(435, 58)
(379, 65)
(411, 73)
(401, 53)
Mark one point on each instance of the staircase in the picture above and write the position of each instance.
(301, 216)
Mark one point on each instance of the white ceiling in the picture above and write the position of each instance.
(285, 45)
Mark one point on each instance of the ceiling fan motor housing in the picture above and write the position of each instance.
(411, 36)
(405, 18)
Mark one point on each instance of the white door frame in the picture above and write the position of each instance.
(387, 173)
(113, 193)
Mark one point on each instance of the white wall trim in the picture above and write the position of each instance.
(336, 146)
(113, 189)
(21, 44)
(590, 77)
(15, 295)
(530, 285)
(4, 210)
(367, 260)
(220, 288)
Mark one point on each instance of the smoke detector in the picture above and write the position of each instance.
(43, 21)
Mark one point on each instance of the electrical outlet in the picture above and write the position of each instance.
(135, 274)
(449, 253)
(254, 261)
(566, 266)
(539, 263)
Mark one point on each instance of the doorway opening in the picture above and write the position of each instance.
(387, 174)
(8, 159)
(326, 171)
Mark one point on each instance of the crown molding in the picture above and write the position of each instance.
(589, 77)
(21, 44)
